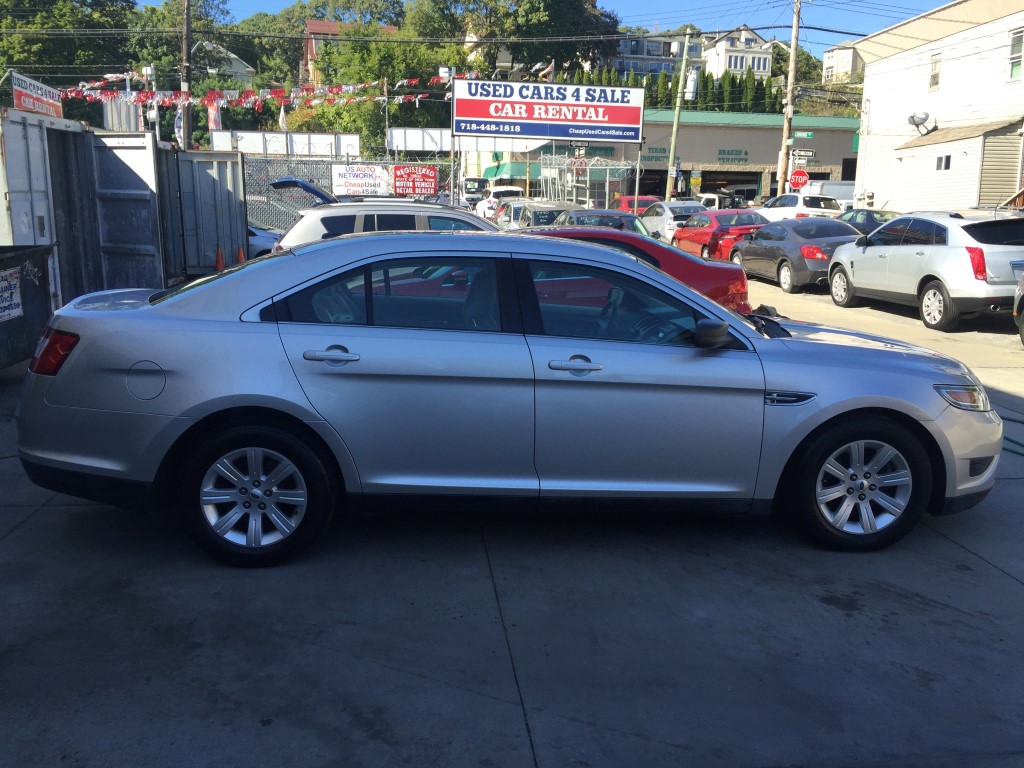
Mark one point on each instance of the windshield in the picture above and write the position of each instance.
(474, 185)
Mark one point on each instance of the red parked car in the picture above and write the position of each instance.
(635, 203)
(707, 232)
(723, 282)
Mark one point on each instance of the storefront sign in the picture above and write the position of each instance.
(415, 180)
(657, 155)
(547, 111)
(31, 96)
(360, 180)
(733, 156)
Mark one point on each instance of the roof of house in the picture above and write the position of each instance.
(958, 133)
(712, 42)
(934, 25)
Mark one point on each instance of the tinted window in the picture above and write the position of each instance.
(822, 203)
(448, 224)
(824, 228)
(338, 225)
(588, 302)
(384, 222)
(542, 218)
(890, 234)
(997, 232)
(455, 294)
(919, 232)
(772, 232)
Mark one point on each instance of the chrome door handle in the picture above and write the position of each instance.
(330, 356)
(574, 365)
(919, 253)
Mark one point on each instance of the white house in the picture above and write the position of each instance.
(841, 63)
(943, 108)
(736, 51)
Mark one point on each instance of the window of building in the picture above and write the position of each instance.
(634, 47)
(1016, 45)
(666, 49)
(942, 163)
(933, 78)
(748, 42)
(732, 42)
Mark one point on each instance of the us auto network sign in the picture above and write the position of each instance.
(547, 111)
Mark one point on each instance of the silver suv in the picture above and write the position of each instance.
(377, 215)
(949, 266)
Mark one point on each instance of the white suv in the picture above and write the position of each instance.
(488, 205)
(377, 215)
(793, 206)
(949, 266)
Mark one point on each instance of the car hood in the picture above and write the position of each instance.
(857, 349)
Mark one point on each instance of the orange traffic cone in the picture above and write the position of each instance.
(219, 263)
(241, 256)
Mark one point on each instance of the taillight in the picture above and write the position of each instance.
(977, 262)
(802, 216)
(277, 248)
(736, 292)
(52, 351)
(813, 252)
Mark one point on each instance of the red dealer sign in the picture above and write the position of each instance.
(415, 180)
(31, 96)
(547, 111)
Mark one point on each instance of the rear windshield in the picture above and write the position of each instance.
(825, 203)
(540, 218)
(825, 228)
(997, 232)
(741, 219)
(500, 193)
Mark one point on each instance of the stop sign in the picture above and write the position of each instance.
(798, 179)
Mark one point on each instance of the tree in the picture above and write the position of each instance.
(56, 59)
(729, 92)
(808, 68)
(272, 44)
(749, 91)
(664, 97)
(362, 12)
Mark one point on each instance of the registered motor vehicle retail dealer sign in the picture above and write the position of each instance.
(547, 111)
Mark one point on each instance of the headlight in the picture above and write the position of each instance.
(967, 397)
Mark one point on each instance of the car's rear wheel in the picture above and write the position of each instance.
(1020, 326)
(862, 485)
(937, 310)
(736, 258)
(786, 278)
(256, 496)
(841, 288)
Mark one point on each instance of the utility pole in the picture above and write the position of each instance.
(670, 182)
(186, 78)
(787, 112)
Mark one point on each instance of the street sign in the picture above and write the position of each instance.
(580, 152)
(798, 179)
(799, 161)
(803, 134)
(576, 144)
(804, 153)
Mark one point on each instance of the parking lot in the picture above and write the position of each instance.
(507, 635)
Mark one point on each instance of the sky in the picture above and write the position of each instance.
(768, 17)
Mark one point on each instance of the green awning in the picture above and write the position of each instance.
(512, 171)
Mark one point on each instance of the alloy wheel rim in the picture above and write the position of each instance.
(839, 287)
(785, 277)
(863, 487)
(932, 307)
(253, 497)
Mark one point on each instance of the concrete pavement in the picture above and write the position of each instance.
(506, 637)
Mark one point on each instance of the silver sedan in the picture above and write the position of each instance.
(261, 398)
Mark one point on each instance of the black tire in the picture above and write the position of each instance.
(841, 289)
(785, 277)
(937, 310)
(279, 490)
(705, 252)
(1020, 326)
(851, 512)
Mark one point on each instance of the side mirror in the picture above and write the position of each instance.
(457, 278)
(747, 236)
(712, 334)
(862, 241)
(656, 234)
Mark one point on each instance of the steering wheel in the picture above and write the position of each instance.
(646, 327)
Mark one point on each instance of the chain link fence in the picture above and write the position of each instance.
(279, 208)
(593, 181)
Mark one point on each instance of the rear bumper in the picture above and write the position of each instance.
(983, 304)
(117, 492)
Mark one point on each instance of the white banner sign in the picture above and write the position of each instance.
(360, 180)
(10, 294)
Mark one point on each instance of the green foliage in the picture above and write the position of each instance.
(749, 91)
(663, 90)
(808, 68)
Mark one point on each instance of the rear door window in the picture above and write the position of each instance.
(385, 222)
(449, 224)
(891, 233)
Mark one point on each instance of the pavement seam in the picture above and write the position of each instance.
(29, 516)
(983, 559)
(508, 642)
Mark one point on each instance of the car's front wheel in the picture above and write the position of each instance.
(1020, 327)
(937, 310)
(862, 485)
(256, 496)
(841, 289)
(736, 258)
(705, 252)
